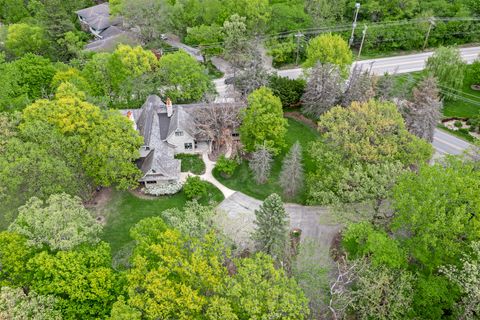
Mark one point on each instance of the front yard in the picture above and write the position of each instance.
(242, 179)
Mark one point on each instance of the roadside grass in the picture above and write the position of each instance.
(465, 107)
(459, 134)
(461, 107)
(125, 210)
(191, 163)
(242, 179)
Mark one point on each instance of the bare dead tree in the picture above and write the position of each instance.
(324, 88)
(360, 87)
(261, 164)
(341, 297)
(423, 113)
(252, 76)
(217, 123)
(291, 176)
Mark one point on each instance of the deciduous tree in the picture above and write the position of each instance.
(183, 78)
(263, 122)
(328, 48)
(447, 66)
(23, 38)
(324, 89)
(217, 123)
(193, 220)
(61, 223)
(16, 304)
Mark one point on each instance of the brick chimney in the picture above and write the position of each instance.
(169, 108)
(132, 118)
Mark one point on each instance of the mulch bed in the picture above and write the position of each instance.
(300, 117)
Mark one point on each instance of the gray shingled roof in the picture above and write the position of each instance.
(110, 32)
(181, 120)
(98, 17)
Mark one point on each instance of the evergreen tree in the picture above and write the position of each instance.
(424, 112)
(324, 88)
(272, 227)
(291, 176)
(360, 88)
(261, 164)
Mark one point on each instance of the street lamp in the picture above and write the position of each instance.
(354, 25)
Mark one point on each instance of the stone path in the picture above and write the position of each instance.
(208, 176)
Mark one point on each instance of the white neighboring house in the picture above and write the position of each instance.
(167, 130)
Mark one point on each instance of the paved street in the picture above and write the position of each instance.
(445, 143)
(398, 64)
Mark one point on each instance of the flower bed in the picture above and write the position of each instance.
(163, 189)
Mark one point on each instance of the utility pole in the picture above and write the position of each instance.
(354, 25)
(364, 33)
(432, 24)
(298, 35)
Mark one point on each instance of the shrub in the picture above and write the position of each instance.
(225, 166)
(289, 91)
(195, 188)
(458, 124)
(163, 189)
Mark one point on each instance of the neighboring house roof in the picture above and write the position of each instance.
(98, 17)
(110, 44)
(110, 32)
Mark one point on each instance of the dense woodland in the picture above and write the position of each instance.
(409, 246)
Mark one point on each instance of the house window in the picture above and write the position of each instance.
(151, 182)
(179, 133)
(235, 134)
(188, 146)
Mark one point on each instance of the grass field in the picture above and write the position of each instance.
(124, 210)
(242, 179)
(465, 107)
(192, 163)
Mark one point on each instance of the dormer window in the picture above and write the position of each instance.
(178, 133)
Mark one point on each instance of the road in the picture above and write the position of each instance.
(445, 143)
(398, 64)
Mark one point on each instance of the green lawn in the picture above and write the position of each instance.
(242, 179)
(461, 108)
(125, 210)
(192, 163)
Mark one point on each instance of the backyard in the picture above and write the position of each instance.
(242, 179)
(124, 209)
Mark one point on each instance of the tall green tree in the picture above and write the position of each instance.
(82, 280)
(23, 38)
(109, 143)
(184, 79)
(16, 304)
(263, 122)
(61, 223)
(271, 231)
(447, 66)
(328, 48)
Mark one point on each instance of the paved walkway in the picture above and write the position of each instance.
(208, 176)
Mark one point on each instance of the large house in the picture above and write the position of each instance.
(167, 130)
(108, 31)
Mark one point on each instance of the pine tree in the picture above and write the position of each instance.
(261, 164)
(360, 88)
(291, 176)
(423, 113)
(324, 88)
(272, 226)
